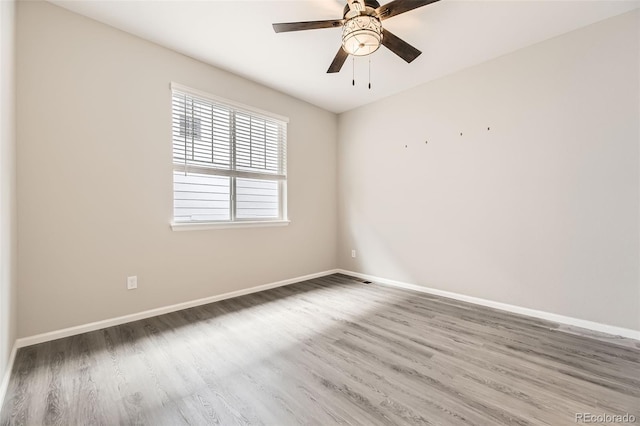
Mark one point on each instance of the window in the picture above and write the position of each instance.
(229, 161)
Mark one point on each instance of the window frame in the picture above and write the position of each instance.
(234, 221)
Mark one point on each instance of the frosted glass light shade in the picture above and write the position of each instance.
(361, 35)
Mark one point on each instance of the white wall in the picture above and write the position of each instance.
(540, 211)
(95, 179)
(8, 225)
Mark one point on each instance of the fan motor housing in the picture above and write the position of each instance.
(370, 7)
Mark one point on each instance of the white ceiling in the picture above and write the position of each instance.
(236, 35)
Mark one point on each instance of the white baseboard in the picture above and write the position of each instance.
(71, 331)
(4, 386)
(576, 322)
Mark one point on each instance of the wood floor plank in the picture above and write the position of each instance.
(332, 350)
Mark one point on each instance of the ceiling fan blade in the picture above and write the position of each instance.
(311, 25)
(399, 46)
(397, 7)
(338, 61)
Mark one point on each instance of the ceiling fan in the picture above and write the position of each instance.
(362, 31)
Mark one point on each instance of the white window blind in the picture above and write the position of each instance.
(229, 161)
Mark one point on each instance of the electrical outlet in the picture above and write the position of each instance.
(132, 282)
(353, 253)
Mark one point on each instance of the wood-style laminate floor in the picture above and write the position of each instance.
(328, 351)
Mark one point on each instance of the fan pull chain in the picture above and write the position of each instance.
(369, 71)
(353, 70)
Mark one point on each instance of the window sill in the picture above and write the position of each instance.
(202, 226)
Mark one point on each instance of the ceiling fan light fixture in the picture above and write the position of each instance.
(361, 35)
